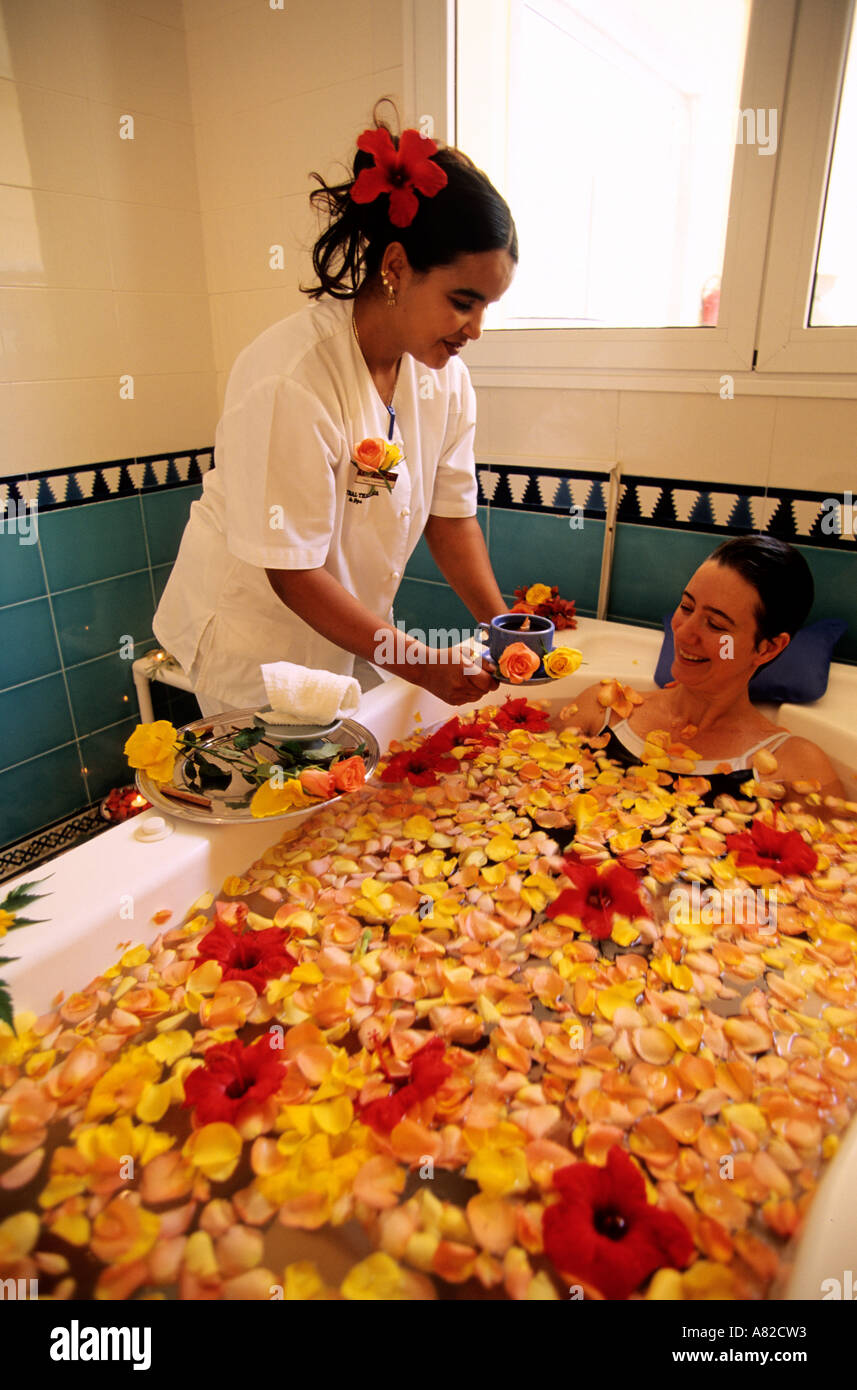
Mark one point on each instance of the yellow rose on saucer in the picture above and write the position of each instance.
(562, 661)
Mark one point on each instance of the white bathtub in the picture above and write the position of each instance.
(95, 887)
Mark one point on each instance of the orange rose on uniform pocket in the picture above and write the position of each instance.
(348, 774)
(370, 454)
(518, 662)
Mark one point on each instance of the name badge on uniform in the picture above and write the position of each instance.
(373, 462)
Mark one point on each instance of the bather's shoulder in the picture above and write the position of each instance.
(800, 760)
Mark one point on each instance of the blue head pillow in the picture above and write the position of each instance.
(795, 677)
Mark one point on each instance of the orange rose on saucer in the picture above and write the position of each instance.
(370, 454)
(518, 663)
(349, 774)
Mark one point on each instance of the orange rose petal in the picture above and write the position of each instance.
(493, 1222)
(379, 1182)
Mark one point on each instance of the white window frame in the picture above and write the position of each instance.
(795, 55)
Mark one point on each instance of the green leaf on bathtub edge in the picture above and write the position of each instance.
(6, 1015)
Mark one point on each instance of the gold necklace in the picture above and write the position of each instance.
(387, 404)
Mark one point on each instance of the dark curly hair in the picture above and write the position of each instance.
(779, 574)
(465, 217)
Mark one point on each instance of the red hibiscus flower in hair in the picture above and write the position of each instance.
(398, 172)
(517, 714)
(254, 956)
(420, 766)
(428, 1073)
(597, 898)
(604, 1232)
(231, 1078)
(786, 852)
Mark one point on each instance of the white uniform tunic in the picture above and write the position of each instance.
(285, 494)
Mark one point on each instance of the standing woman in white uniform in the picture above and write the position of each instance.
(293, 552)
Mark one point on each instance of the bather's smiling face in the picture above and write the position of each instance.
(715, 630)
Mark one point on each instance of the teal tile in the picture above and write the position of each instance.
(102, 692)
(28, 647)
(835, 593)
(528, 548)
(33, 718)
(651, 567)
(104, 759)
(166, 515)
(422, 566)
(431, 606)
(93, 621)
(39, 792)
(83, 544)
(21, 575)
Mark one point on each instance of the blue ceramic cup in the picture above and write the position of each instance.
(507, 628)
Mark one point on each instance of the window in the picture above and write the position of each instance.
(834, 299)
(614, 146)
(720, 117)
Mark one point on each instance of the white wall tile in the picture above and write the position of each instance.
(701, 438)
(40, 44)
(48, 334)
(48, 141)
(134, 63)
(161, 333)
(534, 424)
(155, 248)
(815, 444)
(239, 318)
(56, 239)
(156, 167)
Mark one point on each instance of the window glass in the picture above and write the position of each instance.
(610, 127)
(834, 299)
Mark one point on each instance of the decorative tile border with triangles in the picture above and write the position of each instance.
(99, 482)
(720, 508)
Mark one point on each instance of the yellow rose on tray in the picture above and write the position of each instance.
(562, 661)
(152, 748)
(518, 663)
(537, 593)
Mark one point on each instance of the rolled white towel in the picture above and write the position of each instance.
(301, 695)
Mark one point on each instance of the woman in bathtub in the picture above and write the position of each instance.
(740, 610)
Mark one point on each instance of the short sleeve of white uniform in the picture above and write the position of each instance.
(279, 484)
(455, 482)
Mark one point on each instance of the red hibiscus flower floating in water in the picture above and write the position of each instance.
(422, 765)
(786, 852)
(517, 714)
(232, 1078)
(398, 172)
(254, 956)
(597, 898)
(604, 1233)
(428, 1072)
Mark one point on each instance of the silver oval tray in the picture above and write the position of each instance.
(231, 804)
